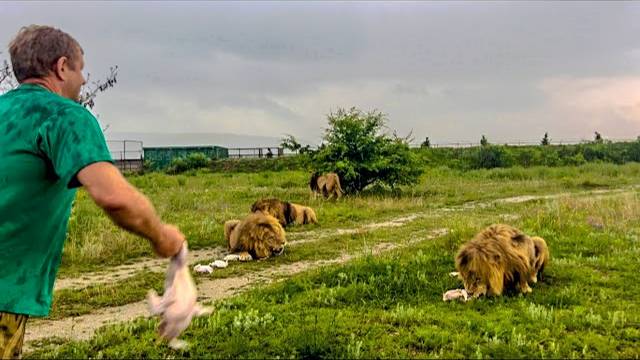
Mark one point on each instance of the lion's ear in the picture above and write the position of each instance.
(463, 258)
(519, 237)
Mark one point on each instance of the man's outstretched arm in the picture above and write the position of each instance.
(129, 208)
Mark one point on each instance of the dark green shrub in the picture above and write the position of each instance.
(357, 149)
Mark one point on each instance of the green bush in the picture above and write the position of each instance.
(356, 148)
(491, 156)
(190, 162)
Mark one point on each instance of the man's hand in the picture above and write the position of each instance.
(171, 240)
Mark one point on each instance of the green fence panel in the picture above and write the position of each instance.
(161, 157)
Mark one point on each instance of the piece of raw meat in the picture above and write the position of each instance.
(178, 305)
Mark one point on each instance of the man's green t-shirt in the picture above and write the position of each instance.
(45, 140)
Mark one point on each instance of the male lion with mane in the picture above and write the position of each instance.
(280, 210)
(328, 185)
(286, 212)
(258, 236)
(499, 257)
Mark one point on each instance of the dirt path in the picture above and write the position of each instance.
(123, 272)
(83, 327)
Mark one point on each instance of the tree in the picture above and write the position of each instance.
(289, 142)
(545, 140)
(361, 153)
(484, 141)
(426, 143)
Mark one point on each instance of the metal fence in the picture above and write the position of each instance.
(257, 152)
(518, 143)
(127, 154)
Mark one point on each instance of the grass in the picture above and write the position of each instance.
(390, 305)
(200, 201)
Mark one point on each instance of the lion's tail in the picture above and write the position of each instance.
(313, 182)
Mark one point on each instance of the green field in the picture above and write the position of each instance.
(376, 266)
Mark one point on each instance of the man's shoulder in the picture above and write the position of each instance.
(38, 101)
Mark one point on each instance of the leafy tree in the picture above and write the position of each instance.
(361, 153)
(545, 140)
(484, 141)
(289, 142)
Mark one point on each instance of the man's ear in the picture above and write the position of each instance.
(61, 67)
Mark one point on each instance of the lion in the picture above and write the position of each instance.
(257, 236)
(498, 257)
(280, 210)
(287, 213)
(541, 257)
(302, 215)
(328, 185)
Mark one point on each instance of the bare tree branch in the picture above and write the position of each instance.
(87, 98)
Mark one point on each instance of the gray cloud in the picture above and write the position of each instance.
(452, 70)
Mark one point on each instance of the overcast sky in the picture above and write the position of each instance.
(448, 70)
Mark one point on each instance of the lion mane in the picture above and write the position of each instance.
(498, 257)
(258, 235)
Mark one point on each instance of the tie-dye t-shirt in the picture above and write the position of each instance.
(45, 140)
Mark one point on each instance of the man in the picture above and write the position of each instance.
(49, 146)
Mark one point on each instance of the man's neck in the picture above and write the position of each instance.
(45, 83)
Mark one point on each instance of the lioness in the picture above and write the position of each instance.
(328, 185)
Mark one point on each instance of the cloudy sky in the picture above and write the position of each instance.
(448, 70)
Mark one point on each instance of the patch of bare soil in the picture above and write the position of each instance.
(83, 327)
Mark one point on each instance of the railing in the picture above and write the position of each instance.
(518, 143)
(127, 154)
(257, 152)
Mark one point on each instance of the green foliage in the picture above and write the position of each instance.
(492, 156)
(484, 141)
(356, 148)
(253, 165)
(289, 142)
(190, 162)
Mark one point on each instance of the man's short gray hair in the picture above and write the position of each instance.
(36, 48)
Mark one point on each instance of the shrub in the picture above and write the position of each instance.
(356, 148)
(190, 162)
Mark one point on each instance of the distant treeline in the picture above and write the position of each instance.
(479, 157)
(503, 156)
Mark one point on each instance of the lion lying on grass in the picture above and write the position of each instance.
(500, 257)
(328, 185)
(258, 236)
(286, 212)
